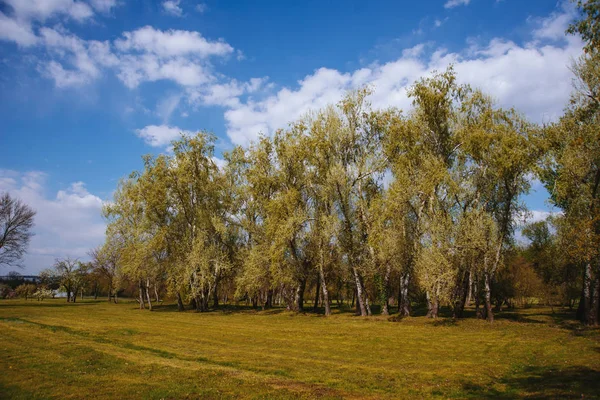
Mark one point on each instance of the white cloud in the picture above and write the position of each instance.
(160, 135)
(456, 3)
(201, 7)
(225, 94)
(554, 26)
(532, 77)
(67, 224)
(134, 70)
(83, 58)
(171, 7)
(41, 10)
(104, 6)
(171, 43)
(538, 215)
(14, 31)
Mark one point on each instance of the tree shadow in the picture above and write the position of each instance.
(445, 322)
(516, 316)
(542, 383)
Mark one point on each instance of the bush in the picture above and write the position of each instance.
(6, 292)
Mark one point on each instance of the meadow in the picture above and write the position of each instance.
(96, 350)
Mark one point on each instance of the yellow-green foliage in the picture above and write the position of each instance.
(97, 350)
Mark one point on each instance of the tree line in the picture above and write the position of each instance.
(372, 207)
(369, 204)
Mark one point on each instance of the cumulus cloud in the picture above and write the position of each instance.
(144, 55)
(41, 10)
(171, 43)
(68, 223)
(456, 3)
(533, 77)
(554, 26)
(103, 6)
(225, 94)
(148, 54)
(172, 7)
(160, 135)
(84, 59)
(13, 31)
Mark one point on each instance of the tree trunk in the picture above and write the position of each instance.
(595, 301)
(317, 293)
(360, 301)
(299, 306)
(141, 299)
(403, 300)
(109, 289)
(368, 306)
(269, 301)
(432, 306)
(205, 299)
(461, 294)
(488, 298)
(116, 296)
(156, 293)
(429, 304)
(586, 295)
(478, 311)
(180, 306)
(325, 292)
(386, 291)
(469, 290)
(216, 292)
(148, 294)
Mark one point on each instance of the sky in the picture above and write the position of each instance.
(89, 86)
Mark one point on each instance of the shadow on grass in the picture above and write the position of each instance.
(445, 322)
(517, 316)
(542, 383)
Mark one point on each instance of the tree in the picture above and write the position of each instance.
(571, 173)
(589, 27)
(71, 274)
(25, 290)
(16, 222)
(105, 261)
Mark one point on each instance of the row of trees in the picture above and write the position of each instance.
(368, 204)
(350, 200)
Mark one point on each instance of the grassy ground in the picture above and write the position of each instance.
(97, 350)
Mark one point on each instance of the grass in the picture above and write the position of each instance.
(95, 350)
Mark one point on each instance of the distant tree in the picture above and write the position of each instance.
(6, 292)
(16, 222)
(25, 290)
(71, 273)
(49, 279)
(43, 293)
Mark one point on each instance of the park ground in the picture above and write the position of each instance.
(96, 350)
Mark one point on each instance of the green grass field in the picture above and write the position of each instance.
(88, 350)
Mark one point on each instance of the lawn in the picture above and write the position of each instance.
(93, 349)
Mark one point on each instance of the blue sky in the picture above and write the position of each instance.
(88, 86)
